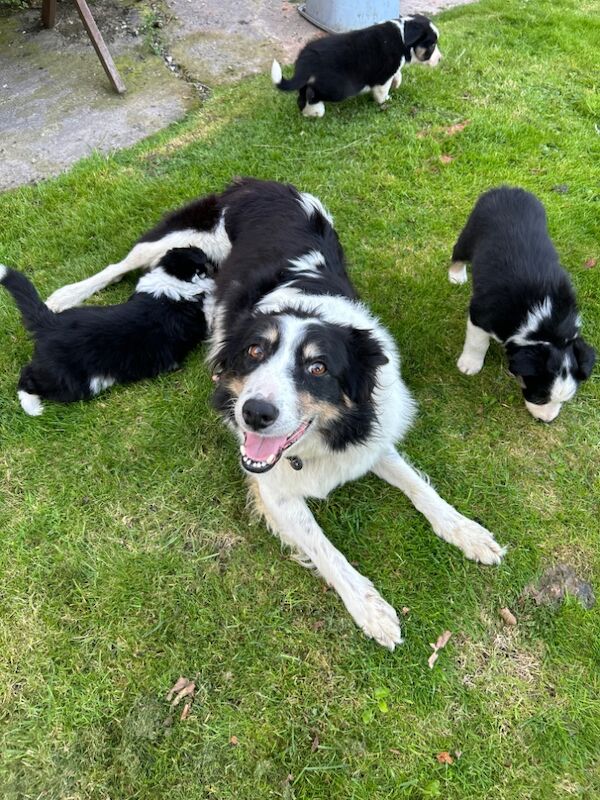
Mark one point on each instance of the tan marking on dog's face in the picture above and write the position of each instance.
(233, 384)
(311, 352)
(271, 334)
(311, 408)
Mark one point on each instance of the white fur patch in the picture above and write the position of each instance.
(434, 29)
(314, 109)
(310, 204)
(30, 403)
(435, 58)
(308, 263)
(381, 93)
(546, 412)
(276, 73)
(100, 382)
(535, 317)
(476, 346)
(3, 271)
(159, 283)
(457, 273)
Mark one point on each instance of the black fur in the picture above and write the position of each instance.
(128, 342)
(516, 269)
(339, 66)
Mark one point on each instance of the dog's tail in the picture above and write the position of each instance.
(296, 82)
(35, 313)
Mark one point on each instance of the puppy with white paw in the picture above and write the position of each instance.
(344, 65)
(523, 298)
(83, 351)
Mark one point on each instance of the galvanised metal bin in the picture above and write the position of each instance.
(336, 16)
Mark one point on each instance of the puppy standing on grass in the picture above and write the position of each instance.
(367, 60)
(84, 350)
(523, 298)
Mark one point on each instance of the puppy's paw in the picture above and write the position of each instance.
(476, 542)
(469, 364)
(457, 273)
(376, 618)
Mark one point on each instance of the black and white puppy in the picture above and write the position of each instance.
(367, 60)
(79, 353)
(307, 379)
(523, 298)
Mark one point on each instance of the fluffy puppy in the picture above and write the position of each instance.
(366, 60)
(82, 351)
(523, 298)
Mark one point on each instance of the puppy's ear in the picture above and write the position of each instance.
(364, 356)
(527, 361)
(414, 30)
(585, 356)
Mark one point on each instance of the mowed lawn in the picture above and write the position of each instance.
(128, 557)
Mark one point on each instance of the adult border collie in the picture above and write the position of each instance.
(523, 298)
(306, 377)
(367, 60)
(81, 352)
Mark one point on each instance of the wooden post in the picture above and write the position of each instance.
(48, 13)
(98, 42)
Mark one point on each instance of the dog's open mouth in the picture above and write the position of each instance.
(261, 453)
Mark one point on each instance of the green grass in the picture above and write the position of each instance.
(128, 557)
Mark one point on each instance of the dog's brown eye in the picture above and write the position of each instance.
(317, 368)
(256, 352)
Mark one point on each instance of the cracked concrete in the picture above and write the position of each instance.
(57, 106)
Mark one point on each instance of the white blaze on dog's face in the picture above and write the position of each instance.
(283, 378)
(549, 376)
(421, 37)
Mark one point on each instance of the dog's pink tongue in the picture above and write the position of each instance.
(259, 448)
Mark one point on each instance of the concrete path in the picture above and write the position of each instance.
(56, 105)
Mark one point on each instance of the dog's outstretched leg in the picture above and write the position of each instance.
(476, 542)
(291, 519)
(381, 93)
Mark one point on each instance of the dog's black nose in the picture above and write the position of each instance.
(258, 414)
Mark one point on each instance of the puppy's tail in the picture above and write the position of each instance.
(296, 82)
(35, 313)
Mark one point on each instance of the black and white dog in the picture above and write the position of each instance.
(366, 60)
(306, 377)
(523, 298)
(79, 353)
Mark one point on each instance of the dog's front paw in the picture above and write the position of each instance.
(476, 542)
(376, 618)
(469, 364)
(66, 297)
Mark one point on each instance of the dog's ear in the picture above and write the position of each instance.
(527, 361)
(415, 29)
(365, 355)
(585, 356)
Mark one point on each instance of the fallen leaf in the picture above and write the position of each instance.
(457, 128)
(315, 745)
(234, 741)
(444, 758)
(178, 686)
(443, 640)
(446, 159)
(405, 610)
(395, 752)
(187, 691)
(186, 711)
(508, 617)
(432, 659)
(590, 263)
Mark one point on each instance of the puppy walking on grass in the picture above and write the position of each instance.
(344, 65)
